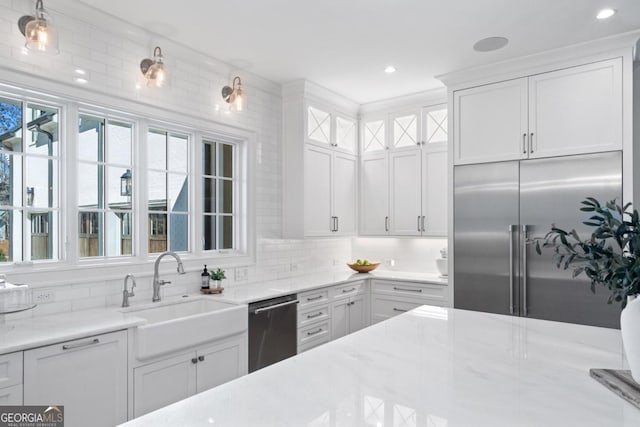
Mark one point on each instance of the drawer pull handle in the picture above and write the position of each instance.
(407, 290)
(313, 316)
(400, 310)
(344, 291)
(81, 344)
(200, 358)
(194, 360)
(314, 298)
(314, 332)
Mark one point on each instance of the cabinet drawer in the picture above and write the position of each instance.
(11, 395)
(10, 369)
(348, 290)
(317, 296)
(314, 333)
(313, 315)
(423, 291)
(385, 307)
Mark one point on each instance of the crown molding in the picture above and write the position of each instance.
(299, 89)
(406, 102)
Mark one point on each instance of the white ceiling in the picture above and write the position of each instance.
(345, 45)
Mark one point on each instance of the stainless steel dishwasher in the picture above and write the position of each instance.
(272, 331)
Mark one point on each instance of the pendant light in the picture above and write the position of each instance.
(153, 69)
(234, 95)
(38, 31)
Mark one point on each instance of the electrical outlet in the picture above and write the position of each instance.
(241, 274)
(42, 296)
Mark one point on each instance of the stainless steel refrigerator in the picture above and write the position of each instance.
(498, 206)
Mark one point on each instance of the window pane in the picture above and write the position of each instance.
(209, 232)
(10, 125)
(209, 158)
(91, 139)
(179, 237)
(89, 234)
(225, 168)
(10, 235)
(118, 233)
(209, 195)
(157, 233)
(42, 240)
(157, 187)
(118, 196)
(225, 232)
(89, 186)
(157, 150)
(178, 153)
(225, 196)
(41, 176)
(42, 130)
(119, 136)
(10, 180)
(178, 193)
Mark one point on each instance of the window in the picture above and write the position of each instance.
(219, 195)
(29, 209)
(105, 190)
(168, 187)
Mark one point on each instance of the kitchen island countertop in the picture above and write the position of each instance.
(431, 367)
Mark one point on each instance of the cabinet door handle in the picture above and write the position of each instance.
(351, 303)
(200, 358)
(314, 298)
(194, 360)
(399, 310)
(531, 142)
(313, 316)
(333, 224)
(386, 223)
(81, 344)
(524, 143)
(344, 291)
(407, 290)
(314, 332)
(337, 224)
(419, 230)
(423, 224)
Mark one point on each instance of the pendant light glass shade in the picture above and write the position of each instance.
(39, 32)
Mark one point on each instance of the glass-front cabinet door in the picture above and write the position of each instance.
(405, 130)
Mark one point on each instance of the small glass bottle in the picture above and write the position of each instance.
(205, 278)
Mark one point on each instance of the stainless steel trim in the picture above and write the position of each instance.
(407, 290)
(344, 291)
(315, 298)
(531, 142)
(399, 310)
(512, 228)
(524, 143)
(386, 223)
(525, 233)
(314, 332)
(313, 316)
(271, 307)
(200, 358)
(81, 344)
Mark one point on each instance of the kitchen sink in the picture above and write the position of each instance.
(178, 325)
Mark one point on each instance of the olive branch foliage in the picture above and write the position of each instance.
(609, 257)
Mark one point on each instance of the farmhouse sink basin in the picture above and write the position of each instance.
(182, 324)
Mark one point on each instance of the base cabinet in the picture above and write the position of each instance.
(87, 376)
(391, 298)
(171, 379)
(11, 395)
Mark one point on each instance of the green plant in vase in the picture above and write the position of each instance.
(218, 276)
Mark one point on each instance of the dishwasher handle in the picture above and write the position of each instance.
(271, 307)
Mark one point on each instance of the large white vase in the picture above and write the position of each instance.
(630, 327)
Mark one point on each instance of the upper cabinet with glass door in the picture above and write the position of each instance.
(405, 130)
(331, 129)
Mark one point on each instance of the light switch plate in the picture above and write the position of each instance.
(241, 274)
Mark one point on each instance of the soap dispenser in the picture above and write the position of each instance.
(205, 278)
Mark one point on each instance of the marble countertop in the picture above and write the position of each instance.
(244, 294)
(432, 367)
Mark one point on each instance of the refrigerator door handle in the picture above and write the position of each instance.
(525, 235)
(512, 228)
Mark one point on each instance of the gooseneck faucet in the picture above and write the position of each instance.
(126, 294)
(156, 276)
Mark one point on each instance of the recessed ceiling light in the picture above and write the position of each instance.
(80, 71)
(606, 13)
(490, 43)
(390, 69)
(81, 81)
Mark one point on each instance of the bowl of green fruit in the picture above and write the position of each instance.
(363, 265)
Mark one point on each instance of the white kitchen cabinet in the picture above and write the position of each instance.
(390, 298)
(10, 369)
(177, 377)
(348, 309)
(345, 195)
(406, 192)
(88, 376)
(374, 137)
(434, 191)
(405, 130)
(318, 218)
(346, 134)
(374, 194)
(11, 395)
(575, 110)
